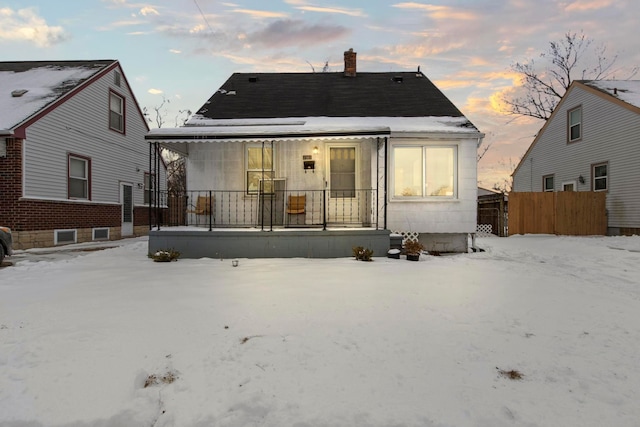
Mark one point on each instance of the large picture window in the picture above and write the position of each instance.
(116, 112)
(259, 168)
(78, 181)
(424, 172)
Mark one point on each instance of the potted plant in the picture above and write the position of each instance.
(413, 249)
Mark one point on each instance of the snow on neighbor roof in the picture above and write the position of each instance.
(28, 87)
(625, 90)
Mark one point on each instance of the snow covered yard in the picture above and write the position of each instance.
(110, 338)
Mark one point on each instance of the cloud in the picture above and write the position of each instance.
(439, 12)
(287, 32)
(260, 13)
(153, 91)
(26, 25)
(176, 51)
(333, 10)
(148, 10)
(588, 5)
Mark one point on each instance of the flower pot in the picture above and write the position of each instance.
(413, 257)
(393, 253)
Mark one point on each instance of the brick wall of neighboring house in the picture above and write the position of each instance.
(33, 221)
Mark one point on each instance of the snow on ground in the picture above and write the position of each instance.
(110, 338)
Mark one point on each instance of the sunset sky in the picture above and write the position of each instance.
(184, 50)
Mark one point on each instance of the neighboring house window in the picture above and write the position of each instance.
(575, 124)
(424, 172)
(259, 168)
(569, 186)
(116, 78)
(148, 187)
(79, 177)
(600, 173)
(547, 183)
(116, 112)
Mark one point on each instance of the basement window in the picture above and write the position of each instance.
(100, 234)
(65, 237)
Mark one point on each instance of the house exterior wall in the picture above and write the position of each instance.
(611, 134)
(221, 165)
(457, 215)
(34, 173)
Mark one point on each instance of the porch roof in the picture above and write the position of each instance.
(306, 128)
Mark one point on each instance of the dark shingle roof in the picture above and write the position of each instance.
(274, 95)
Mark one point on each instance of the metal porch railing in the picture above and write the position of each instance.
(279, 208)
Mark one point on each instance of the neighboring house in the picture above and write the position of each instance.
(591, 143)
(74, 165)
(492, 212)
(385, 151)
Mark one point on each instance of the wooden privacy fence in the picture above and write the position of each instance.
(575, 213)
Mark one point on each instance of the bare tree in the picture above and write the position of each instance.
(575, 56)
(176, 173)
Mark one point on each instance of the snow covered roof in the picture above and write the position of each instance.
(625, 90)
(306, 128)
(28, 87)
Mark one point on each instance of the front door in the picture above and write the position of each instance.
(342, 185)
(126, 201)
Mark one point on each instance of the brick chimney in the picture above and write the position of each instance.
(350, 63)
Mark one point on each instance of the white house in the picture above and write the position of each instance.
(590, 143)
(74, 164)
(384, 151)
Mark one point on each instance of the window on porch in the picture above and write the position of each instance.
(259, 167)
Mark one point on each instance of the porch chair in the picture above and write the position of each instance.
(296, 206)
(202, 206)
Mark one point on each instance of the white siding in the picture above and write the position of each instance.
(220, 166)
(81, 126)
(611, 133)
(447, 216)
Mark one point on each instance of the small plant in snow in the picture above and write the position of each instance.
(413, 247)
(362, 254)
(167, 378)
(166, 255)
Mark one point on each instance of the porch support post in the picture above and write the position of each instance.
(156, 178)
(377, 179)
(386, 178)
(150, 204)
(210, 209)
(324, 207)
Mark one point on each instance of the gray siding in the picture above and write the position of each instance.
(81, 126)
(611, 133)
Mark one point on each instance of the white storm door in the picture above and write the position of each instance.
(126, 201)
(342, 185)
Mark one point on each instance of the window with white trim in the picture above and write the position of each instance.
(575, 124)
(259, 166)
(116, 112)
(600, 173)
(547, 183)
(78, 180)
(423, 172)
